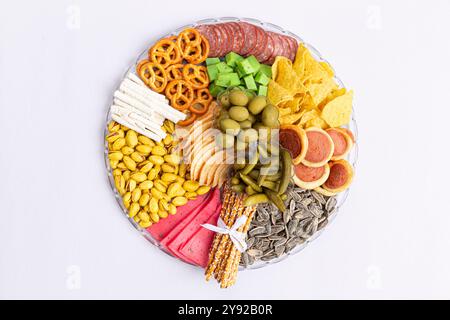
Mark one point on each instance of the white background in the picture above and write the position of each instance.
(62, 234)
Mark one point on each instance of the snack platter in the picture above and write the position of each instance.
(223, 215)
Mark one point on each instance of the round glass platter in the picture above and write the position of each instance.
(352, 157)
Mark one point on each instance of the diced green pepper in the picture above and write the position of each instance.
(212, 72)
(211, 61)
(231, 59)
(265, 69)
(262, 91)
(261, 78)
(222, 67)
(215, 90)
(228, 79)
(250, 82)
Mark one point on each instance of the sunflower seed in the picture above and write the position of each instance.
(273, 233)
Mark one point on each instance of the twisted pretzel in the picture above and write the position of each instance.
(196, 76)
(199, 53)
(180, 94)
(189, 120)
(175, 72)
(154, 76)
(165, 52)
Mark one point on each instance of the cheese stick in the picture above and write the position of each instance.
(123, 121)
(158, 105)
(130, 114)
(138, 105)
(152, 116)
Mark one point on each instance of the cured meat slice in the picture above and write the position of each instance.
(268, 50)
(261, 42)
(238, 35)
(250, 37)
(225, 39)
(163, 227)
(293, 47)
(277, 47)
(208, 32)
(230, 37)
(221, 38)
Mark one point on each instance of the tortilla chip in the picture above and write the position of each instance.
(286, 77)
(332, 95)
(327, 68)
(317, 123)
(319, 91)
(291, 118)
(338, 111)
(277, 94)
(308, 115)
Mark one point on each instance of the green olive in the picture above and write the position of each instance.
(224, 101)
(229, 126)
(238, 98)
(246, 124)
(248, 135)
(259, 126)
(238, 113)
(251, 118)
(270, 116)
(257, 104)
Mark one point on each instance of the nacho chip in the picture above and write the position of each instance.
(317, 123)
(319, 91)
(299, 62)
(284, 111)
(333, 94)
(327, 68)
(291, 118)
(286, 77)
(338, 111)
(309, 115)
(277, 94)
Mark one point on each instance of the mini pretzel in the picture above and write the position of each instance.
(154, 76)
(199, 107)
(140, 64)
(201, 52)
(203, 95)
(196, 76)
(189, 120)
(188, 37)
(180, 94)
(165, 52)
(175, 72)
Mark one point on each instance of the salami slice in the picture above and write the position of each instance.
(250, 37)
(267, 52)
(224, 38)
(238, 35)
(261, 42)
(277, 47)
(285, 45)
(230, 37)
(293, 45)
(220, 40)
(208, 32)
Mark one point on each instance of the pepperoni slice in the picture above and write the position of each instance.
(261, 42)
(277, 47)
(219, 40)
(210, 35)
(230, 37)
(268, 50)
(250, 37)
(238, 35)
